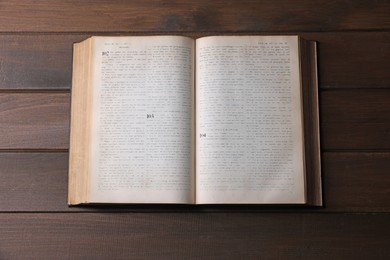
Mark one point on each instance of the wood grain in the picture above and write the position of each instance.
(34, 120)
(194, 236)
(356, 182)
(352, 182)
(44, 61)
(353, 60)
(187, 15)
(358, 119)
(36, 61)
(33, 181)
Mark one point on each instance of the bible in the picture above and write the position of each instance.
(212, 120)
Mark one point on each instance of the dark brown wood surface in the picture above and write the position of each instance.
(35, 81)
(193, 236)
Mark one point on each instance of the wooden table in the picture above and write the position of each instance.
(35, 80)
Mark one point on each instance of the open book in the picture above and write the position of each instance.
(219, 119)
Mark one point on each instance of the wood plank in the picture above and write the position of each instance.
(194, 236)
(187, 15)
(352, 182)
(33, 181)
(353, 60)
(36, 61)
(358, 119)
(356, 181)
(34, 120)
(44, 61)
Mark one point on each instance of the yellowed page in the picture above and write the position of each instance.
(249, 136)
(80, 124)
(142, 120)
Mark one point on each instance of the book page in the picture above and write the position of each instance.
(249, 138)
(142, 120)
